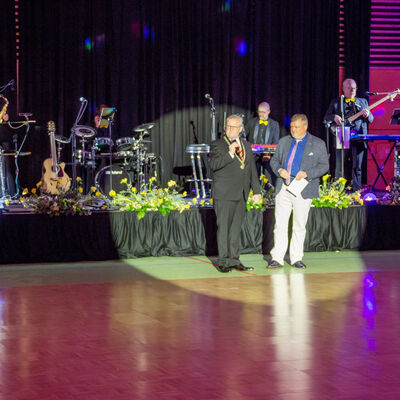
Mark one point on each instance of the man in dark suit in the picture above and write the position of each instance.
(351, 105)
(234, 174)
(300, 156)
(263, 130)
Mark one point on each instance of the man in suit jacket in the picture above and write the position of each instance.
(234, 174)
(351, 105)
(263, 130)
(299, 156)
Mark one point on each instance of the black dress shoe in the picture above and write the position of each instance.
(274, 264)
(241, 267)
(222, 268)
(300, 264)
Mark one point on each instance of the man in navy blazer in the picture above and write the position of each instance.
(299, 156)
(351, 105)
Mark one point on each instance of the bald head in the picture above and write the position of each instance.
(263, 110)
(349, 88)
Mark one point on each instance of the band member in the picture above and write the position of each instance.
(263, 130)
(351, 106)
(234, 173)
(299, 156)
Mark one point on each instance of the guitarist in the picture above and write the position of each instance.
(351, 106)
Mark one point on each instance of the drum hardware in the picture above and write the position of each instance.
(195, 150)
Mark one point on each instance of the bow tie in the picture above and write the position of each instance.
(261, 121)
(349, 100)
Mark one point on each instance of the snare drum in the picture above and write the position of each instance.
(124, 143)
(109, 178)
(102, 143)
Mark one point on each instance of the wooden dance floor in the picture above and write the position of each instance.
(176, 329)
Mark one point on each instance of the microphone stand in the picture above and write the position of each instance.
(72, 138)
(342, 133)
(213, 123)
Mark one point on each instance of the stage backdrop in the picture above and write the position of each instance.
(155, 60)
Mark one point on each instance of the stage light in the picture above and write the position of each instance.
(88, 44)
(369, 198)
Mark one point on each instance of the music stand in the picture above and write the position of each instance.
(106, 117)
(395, 118)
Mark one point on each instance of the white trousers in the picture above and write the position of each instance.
(285, 203)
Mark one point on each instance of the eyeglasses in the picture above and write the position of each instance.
(234, 126)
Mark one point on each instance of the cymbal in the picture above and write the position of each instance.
(144, 141)
(61, 139)
(26, 153)
(144, 127)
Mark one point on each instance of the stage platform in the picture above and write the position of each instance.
(34, 238)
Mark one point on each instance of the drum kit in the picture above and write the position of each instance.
(105, 162)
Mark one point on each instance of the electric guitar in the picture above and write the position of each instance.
(54, 178)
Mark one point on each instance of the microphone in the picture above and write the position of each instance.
(208, 97)
(370, 93)
(83, 99)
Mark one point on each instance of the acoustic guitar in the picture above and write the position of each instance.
(54, 178)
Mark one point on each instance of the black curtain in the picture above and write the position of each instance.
(357, 24)
(155, 60)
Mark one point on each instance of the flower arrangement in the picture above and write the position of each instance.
(267, 195)
(70, 202)
(150, 199)
(334, 194)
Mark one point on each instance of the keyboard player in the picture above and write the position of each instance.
(263, 130)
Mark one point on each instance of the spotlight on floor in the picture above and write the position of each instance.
(369, 198)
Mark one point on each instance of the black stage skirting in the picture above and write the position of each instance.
(28, 238)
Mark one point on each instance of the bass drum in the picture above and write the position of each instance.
(109, 178)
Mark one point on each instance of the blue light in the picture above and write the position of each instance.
(242, 48)
(146, 32)
(88, 44)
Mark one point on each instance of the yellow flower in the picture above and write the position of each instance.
(21, 199)
(125, 180)
(7, 202)
(92, 189)
(194, 200)
(184, 194)
(98, 193)
(160, 201)
(325, 177)
(152, 179)
(342, 180)
(265, 180)
(211, 201)
(143, 193)
(262, 177)
(104, 207)
(171, 183)
(134, 190)
(166, 190)
(80, 190)
(357, 196)
(361, 201)
(187, 206)
(39, 184)
(112, 193)
(103, 197)
(78, 179)
(33, 190)
(326, 197)
(25, 191)
(202, 203)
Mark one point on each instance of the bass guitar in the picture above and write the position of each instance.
(54, 178)
(349, 121)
